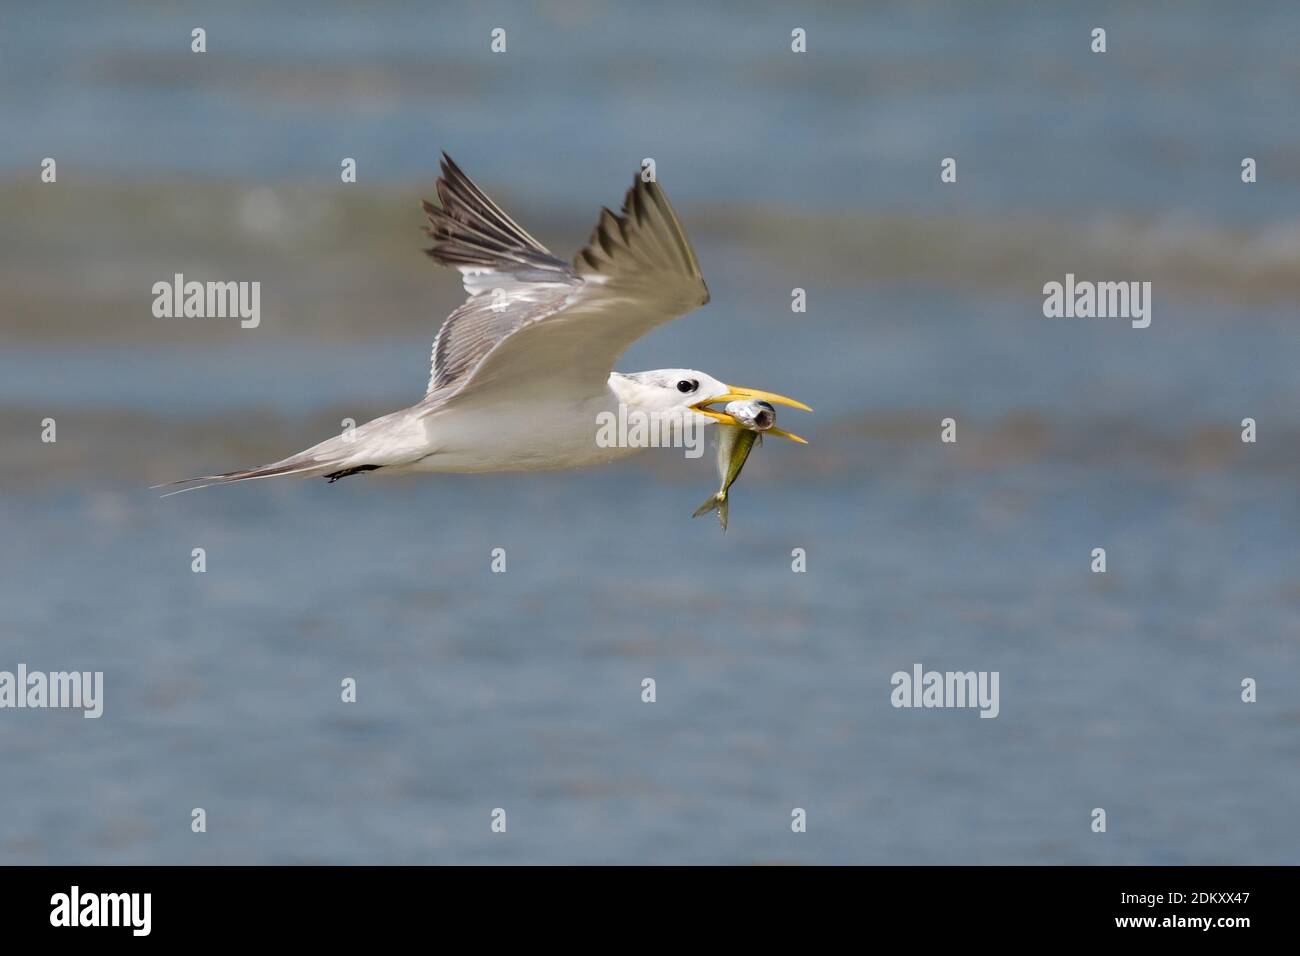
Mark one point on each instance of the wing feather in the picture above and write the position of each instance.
(532, 319)
(470, 229)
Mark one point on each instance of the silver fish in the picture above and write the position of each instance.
(735, 442)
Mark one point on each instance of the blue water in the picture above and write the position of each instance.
(521, 690)
(1160, 122)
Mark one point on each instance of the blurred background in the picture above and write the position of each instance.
(522, 690)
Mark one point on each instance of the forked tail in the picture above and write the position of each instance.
(290, 466)
(391, 440)
(719, 503)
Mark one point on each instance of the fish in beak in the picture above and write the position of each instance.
(735, 393)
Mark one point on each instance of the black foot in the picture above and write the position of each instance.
(351, 471)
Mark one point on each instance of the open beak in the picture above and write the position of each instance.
(735, 394)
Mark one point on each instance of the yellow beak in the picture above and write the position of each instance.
(735, 394)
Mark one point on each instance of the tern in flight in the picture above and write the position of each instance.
(523, 371)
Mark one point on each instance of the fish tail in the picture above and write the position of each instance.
(724, 510)
(713, 501)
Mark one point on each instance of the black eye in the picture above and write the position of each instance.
(687, 385)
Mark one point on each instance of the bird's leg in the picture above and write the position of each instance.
(335, 476)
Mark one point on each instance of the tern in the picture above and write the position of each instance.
(522, 372)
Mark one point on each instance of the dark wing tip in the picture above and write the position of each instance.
(468, 228)
(645, 235)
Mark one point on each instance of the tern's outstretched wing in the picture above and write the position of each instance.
(533, 321)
